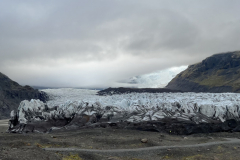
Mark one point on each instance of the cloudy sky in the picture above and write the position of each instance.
(99, 43)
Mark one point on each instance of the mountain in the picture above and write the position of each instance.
(218, 73)
(11, 94)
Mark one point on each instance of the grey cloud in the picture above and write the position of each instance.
(100, 42)
(165, 30)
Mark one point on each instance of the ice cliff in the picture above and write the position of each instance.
(71, 108)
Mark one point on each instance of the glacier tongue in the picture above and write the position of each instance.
(220, 106)
(88, 108)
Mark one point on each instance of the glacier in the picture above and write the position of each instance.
(73, 108)
(154, 79)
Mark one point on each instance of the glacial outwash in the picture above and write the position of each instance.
(174, 113)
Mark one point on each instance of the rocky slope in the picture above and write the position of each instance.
(218, 73)
(11, 94)
(122, 90)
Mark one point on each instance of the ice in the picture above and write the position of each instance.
(27, 107)
(134, 107)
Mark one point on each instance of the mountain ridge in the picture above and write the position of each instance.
(11, 94)
(217, 73)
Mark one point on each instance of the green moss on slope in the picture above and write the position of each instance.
(219, 70)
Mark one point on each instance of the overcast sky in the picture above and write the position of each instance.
(98, 43)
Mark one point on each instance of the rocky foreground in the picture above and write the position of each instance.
(174, 113)
(117, 144)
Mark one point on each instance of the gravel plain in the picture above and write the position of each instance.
(159, 146)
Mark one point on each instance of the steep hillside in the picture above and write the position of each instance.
(11, 94)
(218, 73)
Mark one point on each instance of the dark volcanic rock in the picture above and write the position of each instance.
(173, 126)
(122, 90)
(218, 73)
(11, 94)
